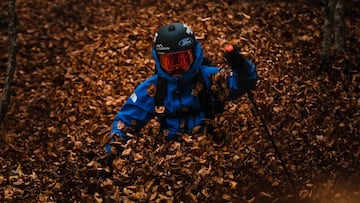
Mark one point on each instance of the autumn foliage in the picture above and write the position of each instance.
(78, 61)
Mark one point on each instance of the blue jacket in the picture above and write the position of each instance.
(140, 107)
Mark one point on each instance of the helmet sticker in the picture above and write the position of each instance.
(188, 30)
(133, 97)
(160, 47)
(185, 42)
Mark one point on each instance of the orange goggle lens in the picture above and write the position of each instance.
(176, 63)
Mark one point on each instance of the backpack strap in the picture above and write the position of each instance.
(161, 91)
(204, 95)
(160, 95)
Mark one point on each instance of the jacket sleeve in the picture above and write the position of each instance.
(134, 114)
(243, 81)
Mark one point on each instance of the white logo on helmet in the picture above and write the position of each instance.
(185, 42)
(188, 30)
(160, 47)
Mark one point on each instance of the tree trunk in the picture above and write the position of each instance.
(334, 27)
(5, 99)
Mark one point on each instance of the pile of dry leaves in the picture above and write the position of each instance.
(78, 61)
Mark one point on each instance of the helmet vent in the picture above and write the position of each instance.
(171, 27)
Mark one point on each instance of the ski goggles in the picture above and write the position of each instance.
(176, 63)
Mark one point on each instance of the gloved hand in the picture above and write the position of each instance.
(107, 156)
(235, 60)
(106, 166)
(113, 143)
(241, 66)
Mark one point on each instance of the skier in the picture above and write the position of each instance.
(184, 90)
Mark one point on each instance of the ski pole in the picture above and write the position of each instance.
(235, 60)
(277, 152)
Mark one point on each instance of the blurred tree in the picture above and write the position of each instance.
(5, 99)
(334, 26)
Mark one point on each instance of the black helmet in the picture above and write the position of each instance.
(174, 37)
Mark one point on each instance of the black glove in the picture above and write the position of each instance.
(240, 66)
(235, 60)
(106, 163)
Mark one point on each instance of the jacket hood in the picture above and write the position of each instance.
(199, 57)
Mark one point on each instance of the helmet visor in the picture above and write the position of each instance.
(176, 63)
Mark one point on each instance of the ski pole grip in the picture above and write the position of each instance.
(229, 48)
(235, 60)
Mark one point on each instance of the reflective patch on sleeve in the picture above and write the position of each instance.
(133, 97)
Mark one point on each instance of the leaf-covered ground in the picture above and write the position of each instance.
(78, 61)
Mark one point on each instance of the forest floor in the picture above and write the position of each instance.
(78, 61)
